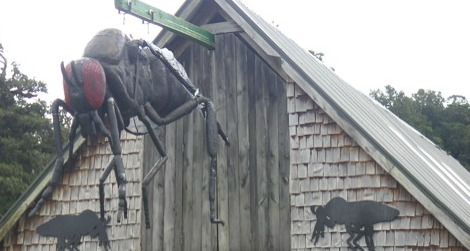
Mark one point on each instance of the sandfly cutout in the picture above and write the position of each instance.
(69, 230)
(358, 217)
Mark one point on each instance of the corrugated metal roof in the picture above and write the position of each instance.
(439, 176)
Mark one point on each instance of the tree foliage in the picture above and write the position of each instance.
(444, 121)
(3, 66)
(26, 139)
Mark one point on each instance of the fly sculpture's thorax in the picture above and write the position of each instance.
(144, 77)
(107, 46)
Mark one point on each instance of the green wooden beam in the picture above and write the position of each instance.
(156, 16)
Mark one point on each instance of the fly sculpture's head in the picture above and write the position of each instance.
(85, 92)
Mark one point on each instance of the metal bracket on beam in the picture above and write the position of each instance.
(156, 16)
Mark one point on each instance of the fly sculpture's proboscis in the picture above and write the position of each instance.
(119, 79)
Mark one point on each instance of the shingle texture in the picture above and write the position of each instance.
(78, 191)
(327, 163)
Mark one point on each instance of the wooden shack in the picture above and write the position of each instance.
(300, 136)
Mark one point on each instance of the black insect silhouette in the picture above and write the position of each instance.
(69, 230)
(359, 218)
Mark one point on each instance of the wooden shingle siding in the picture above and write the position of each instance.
(327, 163)
(253, 196)
(78, 191)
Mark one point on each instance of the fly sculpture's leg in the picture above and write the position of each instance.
(103, 177)
(116, 163)
(73, 130)
(58, 170)
(181, 111)
(156, 167)
(213, 128)
(212, 148)
(146, 112)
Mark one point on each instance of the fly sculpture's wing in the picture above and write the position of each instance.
(175, 66)
(172, 63)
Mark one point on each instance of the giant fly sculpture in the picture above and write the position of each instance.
(116, 80)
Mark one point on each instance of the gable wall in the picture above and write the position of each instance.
(252, 185)
(78, 191)
(327, 163)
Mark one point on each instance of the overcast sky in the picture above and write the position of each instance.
(371, 43)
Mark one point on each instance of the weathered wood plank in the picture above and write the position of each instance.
(188, 179)
(179, 159)
(262, 202)
(207, 80)
(252, 114)
(187, 165)
(244, 185)
(222, 179)
(272, 167)
(148, 156)
(231, 62)
(170, 198)
(156, 241)
(283, 179)
(198, 154)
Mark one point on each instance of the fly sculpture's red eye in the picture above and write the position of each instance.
(84, 85)
(67, 94)
(94, 83)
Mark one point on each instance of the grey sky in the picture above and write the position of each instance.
(407, 44)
